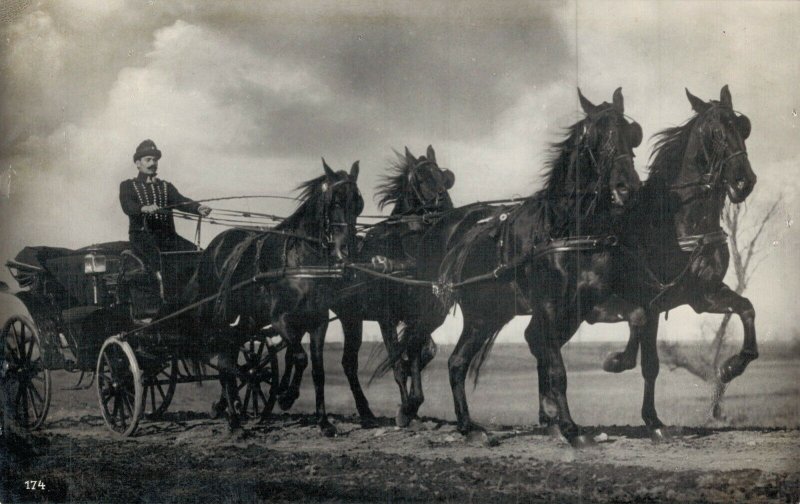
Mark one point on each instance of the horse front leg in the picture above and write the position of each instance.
(296, 362)
(545, 335)
(390, 341)
(615, 310)
(318, 375)
(416, 348)
(645, 325)
(724, 300)
(230, 393)
(353, 328)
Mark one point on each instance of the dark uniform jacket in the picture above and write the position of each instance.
(139, 192)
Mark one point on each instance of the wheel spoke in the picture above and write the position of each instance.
(263, 397)
(29, 352)
(246, 399)
(161, 392)
(33, 404)
(255, 402)
(36, 392)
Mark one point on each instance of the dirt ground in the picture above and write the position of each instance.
(188, 457)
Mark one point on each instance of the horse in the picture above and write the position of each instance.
(678, 250)
(553, 256)
(320, 233)
(417, 188)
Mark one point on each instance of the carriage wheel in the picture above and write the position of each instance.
(257, 373)
(25, 369)
(119, 386)
(159, 387)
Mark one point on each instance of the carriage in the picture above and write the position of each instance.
(94, 311)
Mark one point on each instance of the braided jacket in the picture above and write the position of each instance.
(142, 191)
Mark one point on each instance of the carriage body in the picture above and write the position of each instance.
(91, 310)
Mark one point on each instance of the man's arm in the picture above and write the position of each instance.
(127, 198)
(185, 204)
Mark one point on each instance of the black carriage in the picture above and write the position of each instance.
(96, 311)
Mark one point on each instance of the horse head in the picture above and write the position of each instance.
(605, 151)
(416, 184)
(717, 147)
(338, 206)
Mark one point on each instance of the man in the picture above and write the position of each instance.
(148, 202)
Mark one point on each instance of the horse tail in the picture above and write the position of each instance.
(477, 361)
(229, 267)
(392, 357)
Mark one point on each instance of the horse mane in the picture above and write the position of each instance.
(666, 158)
(393, 186)
(310, 193)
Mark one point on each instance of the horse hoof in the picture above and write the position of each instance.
(401, 419)
(328, 430)
(478, 438)
(285, 401)
(555, 432)
(659, 435)
(217, 410)
(582, 441)
(369, 422)
(615, 363)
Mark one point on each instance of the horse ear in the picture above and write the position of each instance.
(725, 96)
(431, 155)
(586, 105)
(698, 105)
(618, 101)
(354, 171)
(328, 172)
(410, 159)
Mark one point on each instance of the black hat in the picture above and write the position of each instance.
(146, 148)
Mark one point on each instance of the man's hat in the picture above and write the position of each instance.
(146, 148)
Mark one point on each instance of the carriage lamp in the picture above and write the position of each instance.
(94, 265)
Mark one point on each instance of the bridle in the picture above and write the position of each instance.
(328, 225)
(711, 180)
(426, 203)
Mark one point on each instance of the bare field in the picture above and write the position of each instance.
(188, 457)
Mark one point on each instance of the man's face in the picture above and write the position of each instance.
(147, 165)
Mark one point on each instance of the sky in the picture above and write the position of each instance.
(246, 97)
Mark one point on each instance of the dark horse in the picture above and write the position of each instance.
(553, 257)
(320, 233)
(417, 187)
(678, 250)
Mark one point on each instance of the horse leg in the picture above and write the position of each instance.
(613, 311)
(545, 335)
(724, 300)
(414, 350)
(622, 361)
(473, 336)
(389, 333)
(352, 344)
(645, 324)
(296, 362)
(227, 379)
(318, 375)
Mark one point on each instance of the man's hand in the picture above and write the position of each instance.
(204, 210)
(149, 209)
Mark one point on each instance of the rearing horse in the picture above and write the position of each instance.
(678, 250)
(553, 257)
(319, 233)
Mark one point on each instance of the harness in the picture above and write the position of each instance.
(696, 244)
